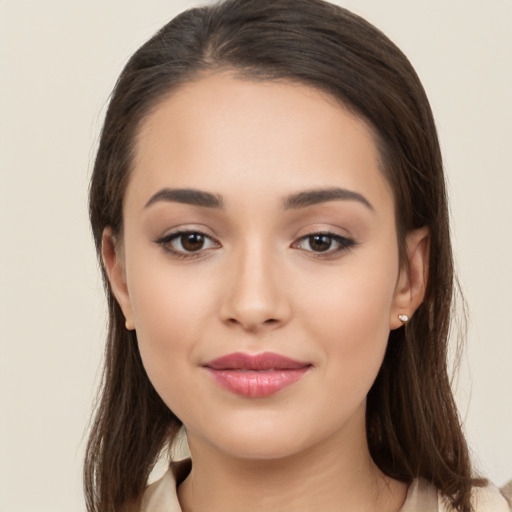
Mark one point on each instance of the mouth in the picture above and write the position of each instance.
(256, 376)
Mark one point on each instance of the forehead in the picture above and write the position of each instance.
(225, 134)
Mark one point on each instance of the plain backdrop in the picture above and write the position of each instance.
(59, 61)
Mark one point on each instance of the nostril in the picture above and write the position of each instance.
(253, 325)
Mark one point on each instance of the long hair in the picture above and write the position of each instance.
(413, 428)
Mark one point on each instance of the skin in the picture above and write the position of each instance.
(257, 285)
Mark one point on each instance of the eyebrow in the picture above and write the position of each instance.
(317, 196)
(302, 199)
(186, 196)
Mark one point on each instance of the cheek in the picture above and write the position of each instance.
(350, 314)
(171, 309)
(164, 296)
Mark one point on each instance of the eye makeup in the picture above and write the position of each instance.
(192, 243)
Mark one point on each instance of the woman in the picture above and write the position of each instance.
(268, 204)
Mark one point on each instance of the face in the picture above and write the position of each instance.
(259, 264)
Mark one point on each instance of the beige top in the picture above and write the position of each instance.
(161, 496)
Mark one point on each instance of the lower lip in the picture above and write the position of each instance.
(257, 384)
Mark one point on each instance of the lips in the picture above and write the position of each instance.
(256, 376)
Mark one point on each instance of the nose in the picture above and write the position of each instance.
(256, 297)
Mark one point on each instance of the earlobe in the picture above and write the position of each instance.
(113, 262)
(413, 278)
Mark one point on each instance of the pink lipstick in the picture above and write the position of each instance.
(256, 376)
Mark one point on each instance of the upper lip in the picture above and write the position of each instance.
(264, 361)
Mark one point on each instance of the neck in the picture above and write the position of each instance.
(336, 476)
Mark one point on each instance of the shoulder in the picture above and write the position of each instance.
(483, 499)
(161, 496)
(423, 496)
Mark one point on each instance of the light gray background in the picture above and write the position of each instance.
(59, 61)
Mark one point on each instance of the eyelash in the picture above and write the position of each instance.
(166, 243)
(344, 243)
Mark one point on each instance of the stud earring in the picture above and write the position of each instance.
(403, 318)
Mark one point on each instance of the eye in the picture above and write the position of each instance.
(324, 243)
(187, 243)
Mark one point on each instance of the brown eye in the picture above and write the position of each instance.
(192, 241)
(328, 243)
(187, 243)
(320, 243)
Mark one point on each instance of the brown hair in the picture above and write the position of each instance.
(413, 428)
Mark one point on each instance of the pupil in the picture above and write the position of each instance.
(192, 241)
(320, 242)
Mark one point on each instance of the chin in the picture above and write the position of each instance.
(261, 449)
(264, 439)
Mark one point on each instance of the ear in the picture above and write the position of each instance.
(413, 277)
(113, 261)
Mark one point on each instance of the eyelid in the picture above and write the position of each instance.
(341, 243)
(345, 243)
(166, 240)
